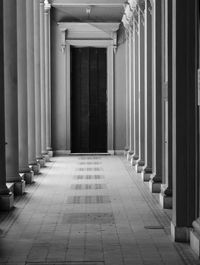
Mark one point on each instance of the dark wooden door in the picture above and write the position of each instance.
(88, 100)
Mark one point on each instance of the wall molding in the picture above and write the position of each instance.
(76, 35)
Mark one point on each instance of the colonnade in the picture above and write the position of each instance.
(25, 131)
(161, 106)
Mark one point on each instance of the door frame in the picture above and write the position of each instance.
(110, 86)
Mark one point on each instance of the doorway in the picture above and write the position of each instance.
(88, 100)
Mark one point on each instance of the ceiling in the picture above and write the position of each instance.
(87, 10)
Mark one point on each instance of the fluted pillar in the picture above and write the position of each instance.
(22, 92)
(36, 19)
(127, 93)
(11, 93)
(184, 111)
(157, 141)
(131, 95)
(140, 163)
(148, 92)
(42, 83)
(6, 197)
(166, 187)
(135, 156)
(31, 88)
(47, 8)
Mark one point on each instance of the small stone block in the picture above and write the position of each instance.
(50, 153)
(154, 186)
(46, 157)
(145, 176)
(6, 202)
(133, 162)
(19, 188)
(41, 161)
(138, 168)
(29, 177)
(36, 169)
(165, 201)
(195, 242)
(180, 234)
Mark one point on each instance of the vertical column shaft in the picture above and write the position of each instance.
(131, 96)
(136, 94)
(127, 91)
(156, 178)
(11, 104)
(148, 92)
(184, 108)
(22, 89)
(140, 162)
(47, 74)
(30, 83)
(36, 20)
(3, 189)
(42, 80)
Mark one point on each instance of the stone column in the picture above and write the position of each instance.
(146, 173)
(131, 94)
(156, 177)
(36, 19)
(184, 109)
(31, 88)
(22, 92)
(42, 84)
(135, 156)
(6, 197)
(140, 162)
(127, 93)
(47, 8)
(11, 93)
(166, 188)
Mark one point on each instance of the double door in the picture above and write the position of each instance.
(88, 100)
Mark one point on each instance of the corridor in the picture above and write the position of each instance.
(91, 210)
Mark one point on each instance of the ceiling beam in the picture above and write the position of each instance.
(87, 3)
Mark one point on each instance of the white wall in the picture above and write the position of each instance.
(59, 108)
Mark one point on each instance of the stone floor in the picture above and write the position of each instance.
(89, 210)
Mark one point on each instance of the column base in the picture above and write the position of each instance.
(195, 237)
(41, 161)
(165, 197)
(139, 167)
(165, 201)
(129, 155)
(19, 188)
(134, 160)
(36, 168)
(50, 152)
(146, 175)
(28, 176)
(155, 187)
(6, 202)
(46, 157)
(180, 234)
(195, 242)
